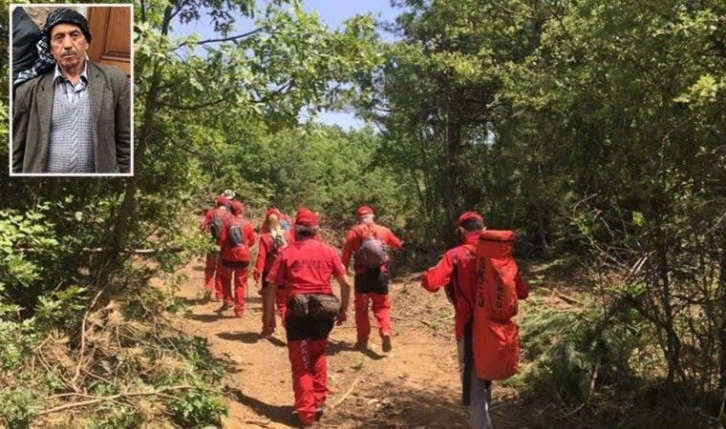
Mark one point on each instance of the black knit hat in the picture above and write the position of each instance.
(45, 61)
(68, 16)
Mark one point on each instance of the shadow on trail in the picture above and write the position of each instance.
(196, 301)
(250, 338)
(276, 342)
(278, 414)
(391, 406)
(335, 347)
(387, 406)
(255, 299)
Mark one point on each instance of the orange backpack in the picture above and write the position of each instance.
(495, 334)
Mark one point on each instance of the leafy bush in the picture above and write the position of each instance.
(198, 409)
(18, 407)
(576, 352)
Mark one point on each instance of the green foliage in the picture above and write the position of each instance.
(116, 416)
(18, 407)
(573, 352)
(678, 418)
(61, 309)
(319, 167)
(194, 409)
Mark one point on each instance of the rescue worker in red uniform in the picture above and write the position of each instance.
(235, 258)
(212, 283)
(371, 279)
(272, 241)
(305, 269)
(456, 272)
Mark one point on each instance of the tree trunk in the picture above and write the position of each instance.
(453, 137)
(151, 105)
(722, 313)
(542, 231)
(673, 343)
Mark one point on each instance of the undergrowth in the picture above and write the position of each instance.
(595, 358)
(101, 354)
(131, 367)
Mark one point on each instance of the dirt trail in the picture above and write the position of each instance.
(415, 387)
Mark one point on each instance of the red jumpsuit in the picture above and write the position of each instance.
(371, 284)
(457, 271)
(212, 282)
(266, 254)
(234, 263)
(457, 268)
(306, 267)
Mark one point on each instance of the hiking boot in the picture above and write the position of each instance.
(304, 424)
(361, 345)
(387, 346)
(319, 410)
(224, 307)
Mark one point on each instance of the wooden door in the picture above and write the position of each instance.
(111, 32)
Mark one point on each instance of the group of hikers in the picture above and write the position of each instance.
(294, 268)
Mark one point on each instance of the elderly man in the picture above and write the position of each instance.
(74, 115)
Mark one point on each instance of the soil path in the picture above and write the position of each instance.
(415, 386)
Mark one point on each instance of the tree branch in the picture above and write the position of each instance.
(176, 249)
(222, 39)
(96, 400)
(193, 106)
(143, 11)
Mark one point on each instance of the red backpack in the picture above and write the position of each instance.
(495, 334)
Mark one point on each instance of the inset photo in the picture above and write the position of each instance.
(71, 99)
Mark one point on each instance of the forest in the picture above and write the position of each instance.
(594, 129)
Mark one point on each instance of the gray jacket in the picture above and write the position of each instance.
(111, 118)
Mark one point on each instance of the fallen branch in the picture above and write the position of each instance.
(176, 249)
(83, 337)
(410, 319)
(572, 413)
(98, 399)
(568, 299)
(347, 393)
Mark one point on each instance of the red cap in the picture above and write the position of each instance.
(237, 207)
(306, 217)
(469, 216)
(222, 200)
(363, 211)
